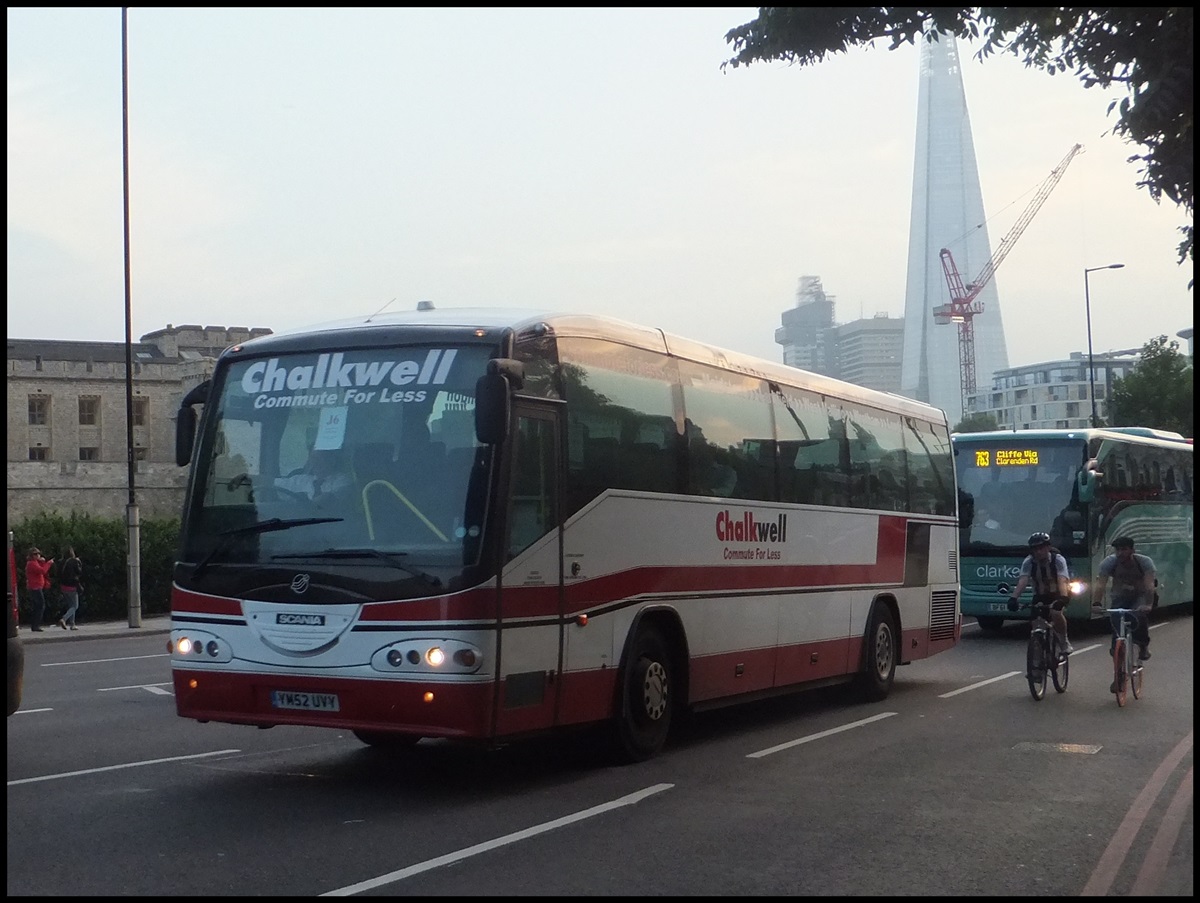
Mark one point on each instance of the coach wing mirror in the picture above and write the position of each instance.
(185, 423)
(1086, 481)
(493, 393)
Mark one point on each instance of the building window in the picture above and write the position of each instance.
(140, 454)
(89, 412)
(89, 453)
(141, 411)
(39, 453)
(39, 411)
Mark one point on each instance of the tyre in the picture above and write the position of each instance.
(989, 623)
(1135, 680)
(647, 701)
(881, 655)
(1122, 685)
(1035, 667)
(387, 740)
(1060, 671)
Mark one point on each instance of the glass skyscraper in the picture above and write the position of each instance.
(947, 212)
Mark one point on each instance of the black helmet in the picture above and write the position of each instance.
(1039, 539)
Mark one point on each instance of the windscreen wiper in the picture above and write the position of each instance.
(271, 525)
(392, 558)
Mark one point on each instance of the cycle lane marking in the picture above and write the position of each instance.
(1111, 860)
(1154, 866)
(485, 846)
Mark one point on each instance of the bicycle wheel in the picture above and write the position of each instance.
(1060, 671)
(1135, 673)
(1120, 684)
(1035, 666)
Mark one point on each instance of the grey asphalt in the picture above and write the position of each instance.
(52, 633)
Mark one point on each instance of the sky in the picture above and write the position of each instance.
(293, 166)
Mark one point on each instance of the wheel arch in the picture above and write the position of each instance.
(666, 620)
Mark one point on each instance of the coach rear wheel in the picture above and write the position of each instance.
(647, 700)
(882, 652)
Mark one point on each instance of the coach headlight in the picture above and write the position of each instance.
(1077, 587)
(198, 646)
(417, 656)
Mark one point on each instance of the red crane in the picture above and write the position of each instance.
(963, 306)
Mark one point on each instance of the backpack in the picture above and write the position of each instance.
(1142, 573)
(1039, 576)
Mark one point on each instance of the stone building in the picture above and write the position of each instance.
(67, 426)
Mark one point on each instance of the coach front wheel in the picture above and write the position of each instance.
(644, 708)
(881, 654)
(387, 739)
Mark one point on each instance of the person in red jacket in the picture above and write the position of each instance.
(37, 579)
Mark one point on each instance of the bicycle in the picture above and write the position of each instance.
(1045, 655)
(1127, 670)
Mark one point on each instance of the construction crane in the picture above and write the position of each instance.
(964, 305)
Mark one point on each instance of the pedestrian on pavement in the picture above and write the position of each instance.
(68, 583)
(37, 580)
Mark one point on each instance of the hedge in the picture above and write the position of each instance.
(102, 545)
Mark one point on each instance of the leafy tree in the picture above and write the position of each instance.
(977, 423)
(1148, 50)
(1158, 391)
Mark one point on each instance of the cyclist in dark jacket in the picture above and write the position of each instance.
(1046, 569)
(1133, 578)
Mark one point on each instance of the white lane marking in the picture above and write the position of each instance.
(73, 774)
(487, 845)
(982, 683)
(32, 711)
(992, 680)
(165, 683)
(101, 661)
(156, 690)
(822, 734)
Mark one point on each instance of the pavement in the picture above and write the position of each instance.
(88, 630)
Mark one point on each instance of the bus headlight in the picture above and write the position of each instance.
(1077, 587)
(198, 646)
(416, 656)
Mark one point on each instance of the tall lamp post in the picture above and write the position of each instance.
(1087, 303)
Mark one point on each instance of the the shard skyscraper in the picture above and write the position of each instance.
(947, 212)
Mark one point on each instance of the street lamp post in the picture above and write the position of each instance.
(1087, 303)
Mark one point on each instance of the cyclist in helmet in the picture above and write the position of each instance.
(1047, 570)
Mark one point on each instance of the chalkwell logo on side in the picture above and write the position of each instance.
(331, 372)
(746, 529)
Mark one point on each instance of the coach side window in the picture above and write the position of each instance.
(809, 456)
(729, 428)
